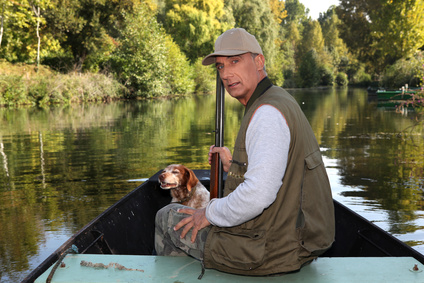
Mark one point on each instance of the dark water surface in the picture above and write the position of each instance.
(61, 167)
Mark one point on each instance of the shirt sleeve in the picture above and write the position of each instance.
(267, 146)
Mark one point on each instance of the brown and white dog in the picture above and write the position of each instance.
(184, 185)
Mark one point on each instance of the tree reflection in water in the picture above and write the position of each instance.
(61, 167)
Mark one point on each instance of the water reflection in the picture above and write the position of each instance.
(61, 167)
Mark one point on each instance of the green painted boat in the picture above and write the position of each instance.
(117, 246)
(394, 94)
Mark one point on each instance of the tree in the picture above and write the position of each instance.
(146, 60)
(398, 29)
(308, 75)
(355, 28)
(257, 18)
(23, 30)
(380, 32)
(87, 27)
(194, 24)
(293, 26)
(3, 5)
(36, 7)
(278, 9)
(289, 48)
(334, 45)
(312, 38)
(296, 12)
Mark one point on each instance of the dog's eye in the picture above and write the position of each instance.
(175, 172)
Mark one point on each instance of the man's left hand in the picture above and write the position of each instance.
(197, 221)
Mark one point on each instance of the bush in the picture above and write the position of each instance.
(181, 73)
(405, 71)
(361, 78)
(341, 79)
(308, 75)
(50, 88)
(289, 81)
(13, 90)
(59, 62)
(147, 62)
(205, 79)
(326, 76)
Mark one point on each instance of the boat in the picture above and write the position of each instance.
(394, 94)
(120, 242)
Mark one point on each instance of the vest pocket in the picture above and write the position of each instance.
(238, 248)
(313, 160)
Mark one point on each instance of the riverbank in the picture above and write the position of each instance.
(22, 84)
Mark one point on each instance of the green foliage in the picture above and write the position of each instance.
(398, 29)
(355, 27)
(19, 40)
(180, 72)
(147, 62)
(326, 76)
(24, 87)
(254, 15)
(13, 91)
(296, 13)
(361, 78)
(341, 79)
(87, 28)
(278, 9)
(335, 46)
(358, 38)
(288, 51)
(289, 79)
(59, 61)
(405, 71)
(312, 39)
(194, 25)
(309, 75)
(205, 78)
(381, 32)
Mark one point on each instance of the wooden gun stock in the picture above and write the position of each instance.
(214, 186)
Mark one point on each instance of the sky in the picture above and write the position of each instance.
(318, 6)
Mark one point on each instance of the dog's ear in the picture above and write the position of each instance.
(192, 180)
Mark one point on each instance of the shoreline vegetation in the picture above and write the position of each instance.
(24, 86)
(62, 52)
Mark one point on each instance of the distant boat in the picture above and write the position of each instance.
(395, 94)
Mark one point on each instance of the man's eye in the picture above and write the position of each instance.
(219, 67)
(234, 61)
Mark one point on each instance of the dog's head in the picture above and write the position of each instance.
(176, 175)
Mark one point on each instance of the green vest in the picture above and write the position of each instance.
(299, 225)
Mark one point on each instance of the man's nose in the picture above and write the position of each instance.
(225, 73)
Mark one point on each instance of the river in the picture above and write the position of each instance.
(60, 167)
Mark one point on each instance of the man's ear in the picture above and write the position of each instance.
(260, 62)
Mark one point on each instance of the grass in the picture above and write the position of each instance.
(21, 84)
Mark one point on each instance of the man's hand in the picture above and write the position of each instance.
(197, 221)
(224, 154)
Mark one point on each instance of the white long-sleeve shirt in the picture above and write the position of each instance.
(267, 146)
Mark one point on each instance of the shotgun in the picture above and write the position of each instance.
(216, 188)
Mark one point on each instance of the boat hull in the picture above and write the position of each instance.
(127, 228)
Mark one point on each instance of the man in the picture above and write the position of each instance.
(277, 212)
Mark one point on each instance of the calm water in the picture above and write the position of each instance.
(61, 167)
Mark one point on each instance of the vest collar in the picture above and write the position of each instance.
(263, 86)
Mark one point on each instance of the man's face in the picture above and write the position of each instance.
(241, 74)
